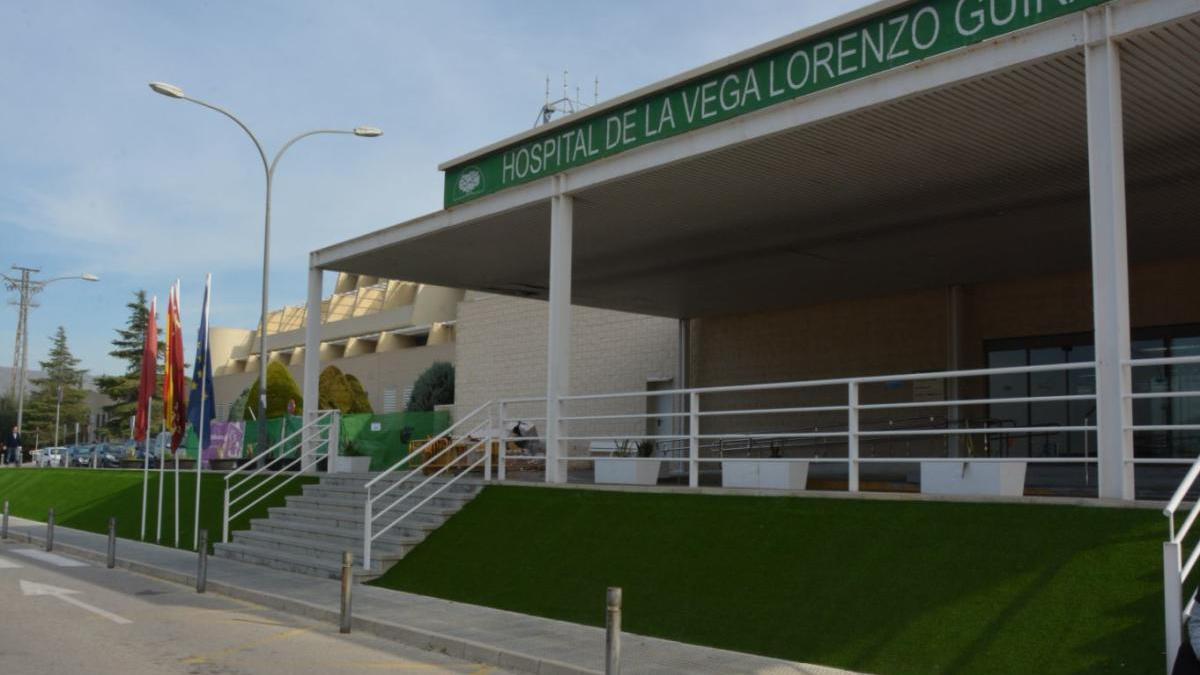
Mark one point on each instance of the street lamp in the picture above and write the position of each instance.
(27, 287)
(173, 91)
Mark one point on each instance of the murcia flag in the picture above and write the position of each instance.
(149, 374)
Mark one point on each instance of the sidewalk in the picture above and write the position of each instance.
(491, 636)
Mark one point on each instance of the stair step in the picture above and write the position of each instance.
(310, 534)
(352, 537)
(414, 523)
(356, 506)
(316, 546)
(455, 491)
(311, 565)
(337, 498)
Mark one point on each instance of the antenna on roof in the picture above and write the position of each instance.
(565, 105)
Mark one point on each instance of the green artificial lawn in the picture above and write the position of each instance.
(874, 586)
(84, 499)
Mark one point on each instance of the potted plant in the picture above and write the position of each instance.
(775, 472)
(351, 460)
(630, 464)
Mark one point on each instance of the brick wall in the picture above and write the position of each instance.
(502, 353)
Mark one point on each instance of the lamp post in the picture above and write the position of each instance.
(27, 287)
(173, 91)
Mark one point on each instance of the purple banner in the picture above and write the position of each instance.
(225, 441)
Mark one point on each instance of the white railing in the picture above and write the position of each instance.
(478, 435)
(863, 429)
(298, 452)
(1175, 569)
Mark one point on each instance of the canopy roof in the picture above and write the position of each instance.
(963, 168)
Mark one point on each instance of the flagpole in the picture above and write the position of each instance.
(203, 400)
(149, 413)
(161, 463)
(178, 310)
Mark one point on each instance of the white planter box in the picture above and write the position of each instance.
(969, 478)
(351, 464)
(627, 470)
(765, 474)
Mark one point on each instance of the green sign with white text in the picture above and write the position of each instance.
(910, 33)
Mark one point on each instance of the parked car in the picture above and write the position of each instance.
(48, 456)
(107, 456)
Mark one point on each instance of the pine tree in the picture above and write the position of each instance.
(61, 373)
(123, 389)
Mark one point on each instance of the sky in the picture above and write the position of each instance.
(100, 175)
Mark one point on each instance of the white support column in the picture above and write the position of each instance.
(558, 349)
(312, 360)
(1172, 601)
(1110, 263)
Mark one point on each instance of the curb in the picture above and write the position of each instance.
(427, 640)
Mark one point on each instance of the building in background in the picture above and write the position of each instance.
(383, 331)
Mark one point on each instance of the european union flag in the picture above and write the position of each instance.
(200, 401)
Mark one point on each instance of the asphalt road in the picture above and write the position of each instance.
(61, 615)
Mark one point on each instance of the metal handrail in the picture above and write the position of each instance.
(324, 420)
(421, 466)
(369, 516)
(433, 458)
(322, 415)
(436, 492)
(421, 449)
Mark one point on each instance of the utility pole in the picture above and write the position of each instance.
(27, 288)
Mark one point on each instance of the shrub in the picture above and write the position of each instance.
(281, 388)
(434, 387)
(339, 391)
(359, 401)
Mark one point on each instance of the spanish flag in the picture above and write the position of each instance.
(174, 384)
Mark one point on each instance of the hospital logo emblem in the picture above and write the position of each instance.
(470, 180)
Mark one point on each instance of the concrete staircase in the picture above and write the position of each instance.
(310, 533)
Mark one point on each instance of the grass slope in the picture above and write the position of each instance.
(891, 587)
(85, 499)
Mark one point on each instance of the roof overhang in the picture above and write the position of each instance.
(964, 167)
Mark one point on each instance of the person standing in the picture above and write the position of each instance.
(12, 447)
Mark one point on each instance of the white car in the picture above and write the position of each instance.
(48, 456)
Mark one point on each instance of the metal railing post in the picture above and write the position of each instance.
(50, 530)
(492, 443)
(694, 439)
(112, 543)
(502, 412)
(612, 632)
(852, 449)
(347, 586)
(333, 440)
(202, 562)
(367, 517)
(4, 524)
(225, 516)
(1172, 601)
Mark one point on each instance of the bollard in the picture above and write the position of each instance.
(612, 633)
(347, 580)
(112, 543)
(4, 524)
(50, 530)
(202, 562)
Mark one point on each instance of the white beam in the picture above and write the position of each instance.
(312, 354)
(558, 347)
(1110, 263)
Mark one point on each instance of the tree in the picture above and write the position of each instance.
(281, 388)
(339, 391)
(434, 387)
(123, 389)
(360, 402)
(60, 373)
